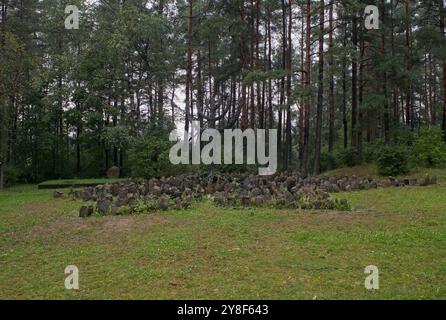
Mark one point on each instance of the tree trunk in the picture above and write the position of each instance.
(78, 151)
(115, 123)
(304, 164)
(354, 139)
(270, 91)
(302, 100)
(361, 87)
(344, 94)
(384, 84)
(252, 65)
(2, 181)
(409, 104)
(280, 148)
(431, 83)
(189, 68)
(320, 92)
(287, 156)
(200, 99)
(243, 65)
(259, 97)
(442, 29)
(331, 132)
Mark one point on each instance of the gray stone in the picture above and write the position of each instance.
(354, 185)
(157, 191)
(177, 204)
(245, 200)
(373, 185)
(163, 203)
(113, 172)
(424, 181)
(114, 189)
(114, 209)
(258, 201)
(219, 199)
(57, 194)
(103, 206)
(86, 211)
(230, 200)
(87, 194)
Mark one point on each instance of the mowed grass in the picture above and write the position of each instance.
(215, 253)
(70, 182)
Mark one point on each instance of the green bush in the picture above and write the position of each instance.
(371, 151)
(124, 210)
(349, 157)
(393, 161)
(12, 175)
(402, 135)
(146, 207)
(429, 150)
(149, 157)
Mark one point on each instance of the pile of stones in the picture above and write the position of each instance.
(283, 190)
(393, 182)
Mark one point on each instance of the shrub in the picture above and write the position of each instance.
(145, 207)
(342, 205)
(12, 175)
(371, 151)
(349, 157)
(429, 150)
(402, 135)
(124, 210)
(328, 162)
(149, 157)
(393, 161)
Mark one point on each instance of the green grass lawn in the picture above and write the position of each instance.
(214, 253)
(372, 171)
(70, 182)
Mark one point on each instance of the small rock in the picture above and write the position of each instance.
(230, 200)
(219, 199)
(113, 172)
(57, 194)
(103, 206)
(86, 211)
(424, 182)
(258, 201)
(245, 200)
(163, 203)
(87, 194)
(114, 209)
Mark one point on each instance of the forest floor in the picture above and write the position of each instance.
(215, 253)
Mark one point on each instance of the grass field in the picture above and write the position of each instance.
(208, 252)
(67, 183)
